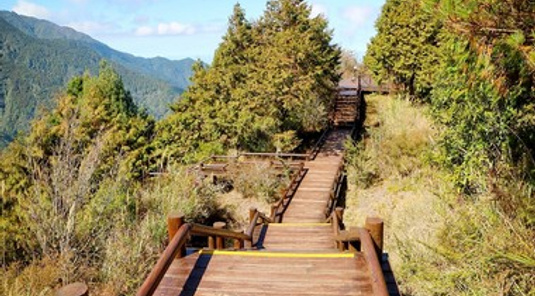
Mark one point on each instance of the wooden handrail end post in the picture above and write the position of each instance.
(238, 244)
(174, 221)
(376, 228)
(211, 242)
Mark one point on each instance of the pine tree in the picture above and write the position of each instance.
(269, 78)
(299, 62)
(405, 47)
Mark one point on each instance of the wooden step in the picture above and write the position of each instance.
(267, 273)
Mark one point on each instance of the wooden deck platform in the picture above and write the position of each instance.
(262, 273)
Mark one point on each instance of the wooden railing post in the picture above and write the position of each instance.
(211, 242)
(238, 244)
(376, 228)
(339, 211)
(274, 209)
(252, 213)
(174, 221)
(219, 242)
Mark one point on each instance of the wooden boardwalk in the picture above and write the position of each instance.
(299, 256)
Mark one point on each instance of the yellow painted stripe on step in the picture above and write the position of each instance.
(276, 255)
(297, 224)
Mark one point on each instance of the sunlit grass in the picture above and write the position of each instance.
(439, 242)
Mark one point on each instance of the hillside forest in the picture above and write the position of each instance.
(448, 159)
(38, 58)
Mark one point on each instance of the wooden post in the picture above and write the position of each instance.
(211, 242)
(274, 208)
(174, 221)
(252, 213)
(219, 243)
(376, 228)
(74, 289)
(238, 244)
(339, 211)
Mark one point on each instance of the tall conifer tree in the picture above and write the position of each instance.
(405, 47)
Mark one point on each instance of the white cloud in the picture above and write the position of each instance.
(358, 15)
(31, 9)
(174, 28)
(318, 9)
(144, 31)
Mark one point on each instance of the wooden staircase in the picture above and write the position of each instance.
(266, 273)
(346, 109)
(302, 249)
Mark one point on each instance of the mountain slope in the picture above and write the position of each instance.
(174, 72)
(37, 59)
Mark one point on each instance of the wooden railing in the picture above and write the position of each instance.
(181, 232)
(334, 196)
(278, 208)
(368, 249)
(222, 162)
(170, 253)
(370, 244)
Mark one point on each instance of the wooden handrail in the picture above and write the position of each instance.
(179, 240)
(201, 230)
(285, 194)
(368, 249)
(307, 156)
(265, 218)
(318, 144)
(169, 254)
(275, 154)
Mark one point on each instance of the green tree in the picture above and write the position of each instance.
(50, 176)
(405, 47)
(269, 77)
(300, 64)
(485, 89)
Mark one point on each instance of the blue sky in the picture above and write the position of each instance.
(178, 29)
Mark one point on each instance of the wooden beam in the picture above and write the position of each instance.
(374, 265)
(376, 228)
(169, 254)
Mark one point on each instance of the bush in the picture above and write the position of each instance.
(260, 181)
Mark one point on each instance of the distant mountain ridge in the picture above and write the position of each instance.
(38, 57)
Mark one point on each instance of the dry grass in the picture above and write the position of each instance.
(117, 237)
(254, 186)
(388, 178)
(439, 242)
